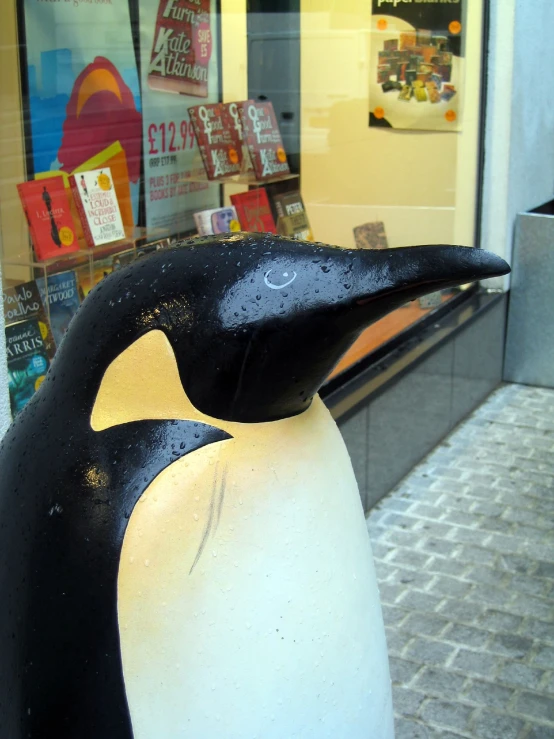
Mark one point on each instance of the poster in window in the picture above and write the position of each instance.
(179, 69)
(84, 95)
(416, 64)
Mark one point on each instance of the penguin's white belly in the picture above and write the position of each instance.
(277, 631)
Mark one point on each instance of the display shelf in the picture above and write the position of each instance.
(139, 238)
(89, 265)
(198, 174)
(237, 179)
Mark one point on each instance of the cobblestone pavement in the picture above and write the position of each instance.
(464, 551)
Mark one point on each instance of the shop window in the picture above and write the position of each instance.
(129, 124)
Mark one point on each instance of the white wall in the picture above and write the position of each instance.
(519, 141)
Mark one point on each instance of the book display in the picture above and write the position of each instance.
(218, 140)
(371, 236)
(263, 140)
(30, 345)
(97, 205)
(217, 221)
(253, 211)
(48, 214)
(60, 293)
(292, 219)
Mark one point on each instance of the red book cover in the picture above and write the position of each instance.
(263, 139)
(182, 48)
(217, 139)
(234, 115)
(253, 211)
(46, 207)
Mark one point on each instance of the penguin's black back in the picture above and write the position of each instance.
(64, 509)
(66, 495)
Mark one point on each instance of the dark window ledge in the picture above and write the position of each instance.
(372, 375)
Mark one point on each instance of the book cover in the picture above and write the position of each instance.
(217, 139)
(114, 157)
(253, 211)
(96, 201)
(292, 219)
(48, 214)
(181, 48)
(263, 139)
(216, 221)
(101, 268)
(371, 236)
(61, 293)
(28, 360)
(23, 302)
(234, 113)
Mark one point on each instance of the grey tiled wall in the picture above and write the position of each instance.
(392, 432)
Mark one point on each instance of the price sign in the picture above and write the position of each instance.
(163, 138)
(179, 42)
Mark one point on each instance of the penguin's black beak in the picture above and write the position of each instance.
(391, 277)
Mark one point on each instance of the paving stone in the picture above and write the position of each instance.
(541, 732)
(448, 566)
(426, 624)
(538, 629)
(515, 673)
(527, 605)
(479, 555)
(536, 706)
(545, 569)
(516, 563)
(479, 663)
(410, 558)
(380, 551)
(491, 594)
(402, 671)
(397, 640)
(489, 694)
(440, 547)
(390, 593)
(531, 585)
(472, 536)
(488, 576)
(401, 520)
(384, 571)
(511, 645)
(406, 702)
(498, 525)
(413, 578)
(461, 610)
(427, 511)
(450, 586)
(490, 725)
(406, 729)
(435, 681)
(462, 518)
(399, 538)
(419, 601)
(545, 657)
(499, 621)
(466, 635)
(453, 715)
(392, 615)
(429, 652)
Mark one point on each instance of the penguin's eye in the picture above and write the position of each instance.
(279, 280)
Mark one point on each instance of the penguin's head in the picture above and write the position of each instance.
(257, 322)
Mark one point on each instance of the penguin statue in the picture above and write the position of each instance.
(183, 551)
